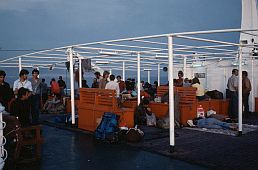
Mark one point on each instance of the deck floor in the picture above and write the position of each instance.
(71, 148)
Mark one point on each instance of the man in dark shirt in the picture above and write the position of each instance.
(5, 91)
(21, 107)
(62, 85)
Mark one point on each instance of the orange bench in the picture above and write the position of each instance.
(188, 103)
(94, 102)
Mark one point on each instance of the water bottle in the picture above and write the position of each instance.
(200, 111)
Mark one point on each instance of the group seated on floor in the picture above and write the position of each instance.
(54, 105)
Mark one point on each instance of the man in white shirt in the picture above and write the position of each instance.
(233, 94)
(22, 82)
(113, 85)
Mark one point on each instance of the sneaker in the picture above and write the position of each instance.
(190, 123)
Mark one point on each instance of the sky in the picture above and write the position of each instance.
(41, 24)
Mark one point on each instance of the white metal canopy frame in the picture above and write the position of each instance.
(182, 50)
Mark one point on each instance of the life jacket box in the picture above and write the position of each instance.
(187, 112)
(159, 109)
(215, 104)
(224, 105)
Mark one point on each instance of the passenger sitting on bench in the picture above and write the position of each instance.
(212, 123)
(143, 114)
(21, 107)
(200, 95)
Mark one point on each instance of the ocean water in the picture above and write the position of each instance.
(12, 74)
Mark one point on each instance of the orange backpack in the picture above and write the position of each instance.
(55, 87)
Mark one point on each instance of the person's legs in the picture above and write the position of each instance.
(246, 104)
(215, 123)
(234, 105)
(35, 108)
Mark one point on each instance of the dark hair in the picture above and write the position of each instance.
(245, 73)
(53, 79)
(22, 91)
(2, 73)
(43, 80)
(35, 71)
(118, 76)
(145, 101)
(234, 70)
(105, 73)
(60, 77)
(97, 73)
(180, 72)
(112, 77)
(195, 80)
(23, 72)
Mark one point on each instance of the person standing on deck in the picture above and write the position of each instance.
(44, 90)
(233, 94)
(5, 91)
(96, 80)
(104, 81)
(113, 85)
(246, 92)
(121, 83)
(62, 85)
(22, 82)
(36, 96)
(179, 82)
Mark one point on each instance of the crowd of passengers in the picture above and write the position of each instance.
(25, 98)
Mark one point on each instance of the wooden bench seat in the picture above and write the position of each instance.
(94, 102)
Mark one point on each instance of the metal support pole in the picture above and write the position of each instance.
(159, 74)
(138, 79)
(110, 71)
(149, 76)
(123, 71)
(252, 83)
(171, 95)
(20, 64)
(185, 67)
(80, 73)
(72, 85)
(240, 102)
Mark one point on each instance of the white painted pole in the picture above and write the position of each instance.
(138, 79)
(159, 74)
(149, 76)
(80, 73)
(253, 88)
(240, 102)
(110, 71)
(171, 95)
(20, 64)
(123, 71)
(72, 85)
(185, 67)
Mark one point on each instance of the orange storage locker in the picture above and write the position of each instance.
(224, 104)
(86, 119)
(256, 104)
(188, 112)
(159, 109)
(215, 105)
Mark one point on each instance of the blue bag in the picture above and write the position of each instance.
(108, 128)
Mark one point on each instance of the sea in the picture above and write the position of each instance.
(12, 74)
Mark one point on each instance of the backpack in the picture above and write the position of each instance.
(55, 87)
(107, 130)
